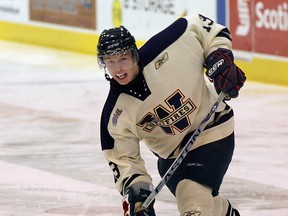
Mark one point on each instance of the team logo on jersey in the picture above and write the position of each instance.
(173, 116)
(116, 116)
(161, 60)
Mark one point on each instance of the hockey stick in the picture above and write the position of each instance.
(183, 153)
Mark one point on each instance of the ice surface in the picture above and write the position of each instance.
(51, 162)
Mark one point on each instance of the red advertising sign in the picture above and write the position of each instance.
(260, 26)
(271, 27)
(240, 19)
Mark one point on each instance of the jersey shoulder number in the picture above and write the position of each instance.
(207, 22)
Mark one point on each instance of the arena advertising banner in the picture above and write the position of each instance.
(260, 26)
(14, 10)
(271, 27)
(240, 24)
(75, 13)
(144, 18)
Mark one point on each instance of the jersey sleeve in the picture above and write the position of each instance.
(126, 163)
(210, 34)
(121, 148)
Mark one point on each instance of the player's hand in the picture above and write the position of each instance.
(132, 203)
(226, 76)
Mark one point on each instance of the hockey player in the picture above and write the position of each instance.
(159, 95)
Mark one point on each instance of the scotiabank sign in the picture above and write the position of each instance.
(260, 26)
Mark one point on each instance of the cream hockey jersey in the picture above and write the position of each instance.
(166, 101)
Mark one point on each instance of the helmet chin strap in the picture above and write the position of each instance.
(107, 77)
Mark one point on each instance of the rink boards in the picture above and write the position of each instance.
(258, 27)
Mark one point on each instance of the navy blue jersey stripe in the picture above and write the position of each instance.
(161, 41)
(225, 33)
(107, 142)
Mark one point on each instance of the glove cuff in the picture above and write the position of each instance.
(140, 185)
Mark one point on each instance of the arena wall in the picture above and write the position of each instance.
(259, 28)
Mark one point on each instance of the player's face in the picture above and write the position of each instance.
(122, 67)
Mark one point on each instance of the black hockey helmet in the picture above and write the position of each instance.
(115, 41)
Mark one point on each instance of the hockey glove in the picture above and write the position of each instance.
(226, 76)
(132, 203)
